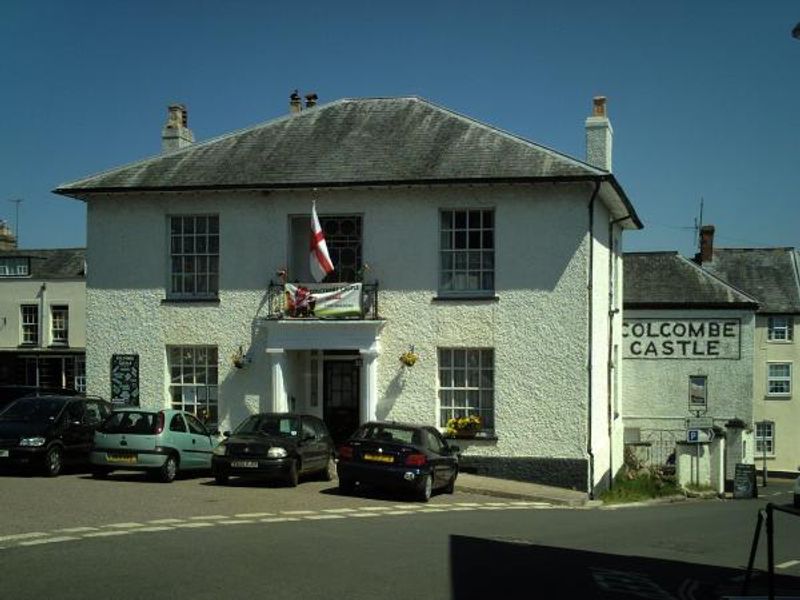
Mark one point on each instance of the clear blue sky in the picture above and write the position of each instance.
(704, 97)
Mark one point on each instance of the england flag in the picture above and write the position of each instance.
(319, 259)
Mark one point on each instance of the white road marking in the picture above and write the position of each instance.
(460, 508)
(52, 540)
(497, 504)
(467, 503)
(787, 564)
(339, 510)
(361, 515)
(279, 520)
(124, 525)
(22, 536)
(375, 508)
(165, 521)
(235, 522)
(107, 533)
(253, 515)
(77, 529)
(209, 518)
(405, 506)
(324, 517)
(399, 512)
(431, 510)
(153, 528)
(193, 525)
(298, 512)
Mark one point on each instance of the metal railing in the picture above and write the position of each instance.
(280, 306)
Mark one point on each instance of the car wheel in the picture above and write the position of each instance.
(451, 485)
(220, 478)
(53, 461)
(425, 488)
(293, 478)
(169, 470)
(329, 472)
(346, 486)
(100, 473)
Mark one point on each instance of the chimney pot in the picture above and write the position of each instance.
(295, 106)
(599, 109)
(311, 100)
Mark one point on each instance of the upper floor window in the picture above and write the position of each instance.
(466, 250)
(194, 254)
(14, 267)
(779, 379)
(344, 239)
(779, 329)
(59, 325)
(29, 317)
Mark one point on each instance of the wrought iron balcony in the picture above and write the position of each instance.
(338, 301)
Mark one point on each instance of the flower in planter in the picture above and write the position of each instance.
(463, 426)
(409, 358)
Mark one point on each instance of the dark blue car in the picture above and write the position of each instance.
(403, 456)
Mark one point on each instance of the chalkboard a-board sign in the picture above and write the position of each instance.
(125, 379)
(744, 481)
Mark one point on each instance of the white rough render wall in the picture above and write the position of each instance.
(537, 327)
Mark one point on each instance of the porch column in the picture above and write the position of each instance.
(369, 385)
(277, 367)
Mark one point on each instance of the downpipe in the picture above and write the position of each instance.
(589, 440)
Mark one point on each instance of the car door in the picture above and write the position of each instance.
(441, 459)
(94, 413)
(76, 435)
(180, 440)
(201, 442)
(312, 446)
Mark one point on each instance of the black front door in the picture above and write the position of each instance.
(340, 395)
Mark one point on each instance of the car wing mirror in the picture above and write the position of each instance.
(226, 434)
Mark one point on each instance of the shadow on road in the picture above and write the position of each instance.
(490, 568)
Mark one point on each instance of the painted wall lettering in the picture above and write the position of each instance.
(681, 338)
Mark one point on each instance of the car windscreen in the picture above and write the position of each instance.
(390, 433)
(131, 422)
(277, 425)
(33, 409)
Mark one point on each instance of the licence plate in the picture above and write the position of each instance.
(3, 453)
(244, 464)
(121, 458)
(381, 458)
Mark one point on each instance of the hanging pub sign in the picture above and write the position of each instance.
(125, 379)
(339, 302)
(681, 338)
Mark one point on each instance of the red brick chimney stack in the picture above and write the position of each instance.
(706, 244)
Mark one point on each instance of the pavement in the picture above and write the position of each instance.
(520, 490)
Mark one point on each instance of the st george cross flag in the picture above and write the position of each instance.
(319, 259)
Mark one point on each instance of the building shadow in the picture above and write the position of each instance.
(503, 568)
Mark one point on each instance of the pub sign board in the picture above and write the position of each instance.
(682, 338)
(125, 379)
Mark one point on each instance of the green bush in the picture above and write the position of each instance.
(634, 487)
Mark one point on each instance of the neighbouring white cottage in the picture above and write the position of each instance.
(688, 354)
(493, 261)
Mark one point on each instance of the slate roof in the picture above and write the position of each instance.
(60, 263)
(374, 141)
(668, 280)
(768, 274)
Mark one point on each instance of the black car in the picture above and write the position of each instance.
(45, 432)
(404, 456)
(281, 445)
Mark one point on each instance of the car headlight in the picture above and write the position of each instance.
(276, 452)
(220, 450)
(32, 441)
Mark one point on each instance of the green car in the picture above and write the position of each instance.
(160, 442)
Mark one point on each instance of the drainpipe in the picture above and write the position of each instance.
(611, 312)
(589, 453)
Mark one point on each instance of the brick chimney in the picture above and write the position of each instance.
(295, 105)
(599, 136)
(706, 254)
(7, 239)
(176, 133)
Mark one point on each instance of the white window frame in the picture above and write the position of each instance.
(194, 380)
(14, 267)
(779, 329)
(779, 379)
(193, 256)
(467, 252)
(29, 324)
(466, 389)
(62, 339)
(766, 436)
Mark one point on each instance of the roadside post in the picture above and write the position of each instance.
(699, 430)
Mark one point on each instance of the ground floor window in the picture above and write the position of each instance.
(765, 438)
(779, 379)
(45, 371)
(193, 381)
(466, 385)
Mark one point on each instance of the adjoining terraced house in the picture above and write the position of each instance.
(42, 316)
(476, 273)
